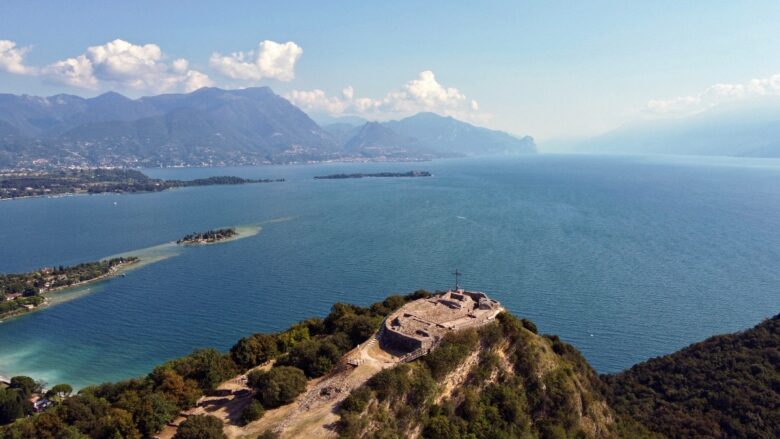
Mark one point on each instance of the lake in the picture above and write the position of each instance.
(625, 257)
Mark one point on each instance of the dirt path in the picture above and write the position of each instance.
(313, 413)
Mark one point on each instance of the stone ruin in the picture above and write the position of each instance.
(418, 327)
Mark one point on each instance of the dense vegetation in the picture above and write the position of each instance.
(18, 291)
(378, 174)
(725, 386)
(93, 181)
(208, 237)
(513, 383)
(141, 407)
(200, 427)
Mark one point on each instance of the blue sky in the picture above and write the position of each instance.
(550, 69)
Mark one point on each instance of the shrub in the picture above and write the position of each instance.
(529, 325)
(200, 427)
(454, 348)
(391, 383)
(252, 412)
(357, 400)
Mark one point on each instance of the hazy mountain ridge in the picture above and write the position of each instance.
(212, 126)
(744, 131)
(429, 135)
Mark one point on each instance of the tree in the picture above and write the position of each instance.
(185, 392)
(117, 423)
(200, 427)
(59, 391)
(26, 385)
(254, 350)
(279, 386)
(12, 405)
(156, 410)
(206, 366)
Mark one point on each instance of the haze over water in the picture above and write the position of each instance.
(624, 257)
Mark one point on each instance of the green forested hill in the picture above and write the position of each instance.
(727, 386)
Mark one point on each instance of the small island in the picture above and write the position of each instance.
(378, 174)
(209, 237)
(23, 292)
(95, 181)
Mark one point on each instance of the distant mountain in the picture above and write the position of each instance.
(744, 131)
(212, 127)
(207, 127)
(427, 135)
(325, 119)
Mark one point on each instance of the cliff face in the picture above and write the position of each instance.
(503, 380)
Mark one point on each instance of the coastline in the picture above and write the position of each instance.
(145, 256)
(50, 295)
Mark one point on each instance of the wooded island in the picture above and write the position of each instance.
(378, 174)
(208, 237)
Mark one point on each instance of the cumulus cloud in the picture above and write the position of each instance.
(423, 93)
(714, 95)
(73, 71)
(117, 63)
(270, 60)
(126, 65)
(12, 58)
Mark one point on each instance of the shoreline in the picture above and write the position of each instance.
(49, 296)
(145, 256)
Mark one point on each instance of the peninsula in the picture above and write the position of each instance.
(477, 371)
(23, 292)
(378, 174)
(101, 180)
(210, 237)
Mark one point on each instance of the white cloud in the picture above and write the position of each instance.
(117, 63)
(73, 71)
(715, 95)
(271, 60)
(423, 93)
(126, 65)
(195, 80)
(12, 58)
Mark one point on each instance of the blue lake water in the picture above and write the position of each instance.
(625, 257)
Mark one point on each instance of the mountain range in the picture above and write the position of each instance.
(211, 126)
(751, 129)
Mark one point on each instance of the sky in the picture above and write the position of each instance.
(550, 69)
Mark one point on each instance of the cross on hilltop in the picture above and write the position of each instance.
(457, 274)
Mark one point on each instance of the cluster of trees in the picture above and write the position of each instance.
(522, 385)
(307, 350)
(209, 236)
(141, 407)
(725, 386)
(15, 398)
(30, 285)
(129, 409)
(100, 180)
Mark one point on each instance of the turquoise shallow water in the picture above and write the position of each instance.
(625, 257)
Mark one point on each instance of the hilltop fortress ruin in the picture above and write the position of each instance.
(419, 326)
